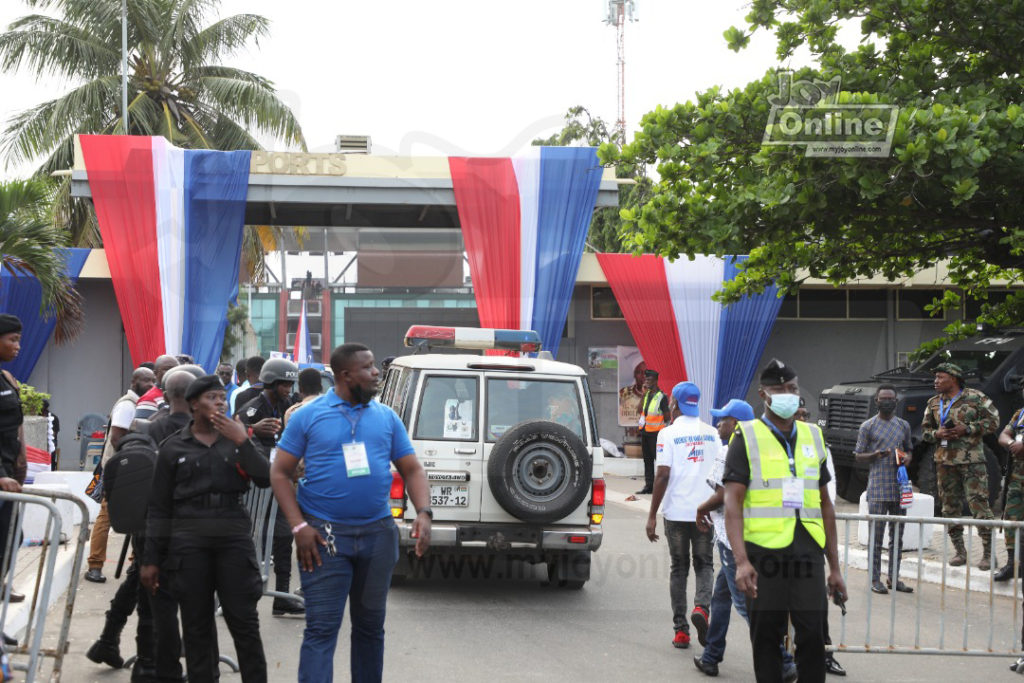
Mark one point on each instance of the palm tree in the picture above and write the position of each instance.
(31, 247)
(177, 86)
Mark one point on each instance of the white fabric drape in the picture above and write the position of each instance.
(527, 169)
(169, 184)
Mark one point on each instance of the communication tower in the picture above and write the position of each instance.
(618, 13)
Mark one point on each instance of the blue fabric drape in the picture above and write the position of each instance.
(22, 296)
(743, 332)
(216, 184)
(569, 180)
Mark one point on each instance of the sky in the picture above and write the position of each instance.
(466, 77)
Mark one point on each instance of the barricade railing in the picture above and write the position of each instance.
(31, 643)
(262, 507)
(915, 527)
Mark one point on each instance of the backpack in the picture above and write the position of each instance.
(127, 480)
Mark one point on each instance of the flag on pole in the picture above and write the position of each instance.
(303, 352)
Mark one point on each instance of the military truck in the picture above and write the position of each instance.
(993, 362)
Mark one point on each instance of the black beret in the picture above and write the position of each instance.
(9, 323)
(200, 386)
(651, 373)
(776, 372)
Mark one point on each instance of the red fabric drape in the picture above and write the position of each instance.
(641, 289)
(487, 198)
(120, 172)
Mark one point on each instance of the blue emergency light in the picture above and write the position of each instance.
(429, 336)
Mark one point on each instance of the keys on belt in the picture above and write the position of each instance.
(331, 550)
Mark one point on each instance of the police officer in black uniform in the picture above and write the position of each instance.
(198, 533)
(264, 414)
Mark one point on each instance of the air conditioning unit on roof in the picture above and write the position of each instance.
(352, 144)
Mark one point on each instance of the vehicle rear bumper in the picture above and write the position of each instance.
(499, 537)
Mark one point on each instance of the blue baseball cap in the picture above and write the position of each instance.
(736, 408)
(687, 395)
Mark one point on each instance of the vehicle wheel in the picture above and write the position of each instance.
(570, 571)
(539, 471)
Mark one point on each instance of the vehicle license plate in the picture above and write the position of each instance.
(449, 496)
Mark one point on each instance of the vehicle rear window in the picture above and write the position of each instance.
(447, 410)
(511, 401)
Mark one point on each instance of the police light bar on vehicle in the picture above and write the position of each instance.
(524, 341)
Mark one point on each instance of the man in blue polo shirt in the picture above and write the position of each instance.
(345, 538)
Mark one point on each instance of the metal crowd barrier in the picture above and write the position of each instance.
(262, 507)
(32, 642)
(946, 597)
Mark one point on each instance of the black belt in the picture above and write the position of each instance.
(213, 500)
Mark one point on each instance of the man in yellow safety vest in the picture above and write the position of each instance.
(654, 416)
(781, 525)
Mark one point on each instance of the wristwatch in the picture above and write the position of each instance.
(430, 513)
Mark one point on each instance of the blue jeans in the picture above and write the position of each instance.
(361, 569)
(723, 598)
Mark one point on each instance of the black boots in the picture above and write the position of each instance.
(283, 606)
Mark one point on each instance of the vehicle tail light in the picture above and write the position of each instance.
(397, 495)
(597, 496)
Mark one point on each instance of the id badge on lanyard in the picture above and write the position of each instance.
(357, 463)
(793, 493)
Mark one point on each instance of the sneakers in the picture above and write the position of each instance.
(699, 618)
(707, 668)
(682, 640)
(103, 652)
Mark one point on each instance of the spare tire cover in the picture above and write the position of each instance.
(539, 471)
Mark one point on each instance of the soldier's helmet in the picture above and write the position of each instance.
(279, 370)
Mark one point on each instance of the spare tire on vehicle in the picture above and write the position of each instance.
(540, 471)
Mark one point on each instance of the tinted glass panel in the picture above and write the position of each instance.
(972, 308)
(603, 304)
(448, 409)
(868, 303)
(911, 303)
(822, 303)
(511, 401)
(788, 308)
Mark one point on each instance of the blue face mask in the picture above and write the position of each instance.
(784, 405)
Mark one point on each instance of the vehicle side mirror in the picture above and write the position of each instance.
(1011, 382)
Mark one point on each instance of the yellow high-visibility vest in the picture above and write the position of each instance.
(766, 521)
(654, 421)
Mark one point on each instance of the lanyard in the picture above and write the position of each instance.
(1020, 420)
(944, 409)
(273, 410)
(359, 416)
(785, 442)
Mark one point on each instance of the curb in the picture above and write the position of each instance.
(18, 613)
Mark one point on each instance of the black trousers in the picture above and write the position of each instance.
(649, 446)
(282, 553)
(788, 589)
(157, 639)
(224, 566)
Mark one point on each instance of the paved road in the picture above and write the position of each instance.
(618, 628)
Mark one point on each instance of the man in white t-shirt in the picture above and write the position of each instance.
(685, 454)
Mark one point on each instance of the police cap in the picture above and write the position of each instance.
(200, 386)
(950, 369)
(653, 374)
(776, 372)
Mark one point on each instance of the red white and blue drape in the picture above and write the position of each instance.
(684, 334)
(525, 222)
(172, 223)
(22, 296)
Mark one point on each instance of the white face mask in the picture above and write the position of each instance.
(784, 405)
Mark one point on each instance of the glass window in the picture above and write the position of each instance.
(972, 307)
(822, 303)
(868, 303)
(263, 314)
(910, 304)
(511, 401)
(789, 307)
(603, 305)
(402, 393)
(447, 409)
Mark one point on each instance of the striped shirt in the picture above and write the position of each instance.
(877, 434)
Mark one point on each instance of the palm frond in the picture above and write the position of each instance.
(254, 107)
(222, 39)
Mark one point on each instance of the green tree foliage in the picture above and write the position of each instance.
(581, 128)
(234, 332)
(31, 247)
(949, 191)
(178, 86)
(32, 400)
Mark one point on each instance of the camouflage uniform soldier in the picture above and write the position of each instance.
(956, 419)
(1012, 439)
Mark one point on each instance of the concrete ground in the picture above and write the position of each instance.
(617, 628)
